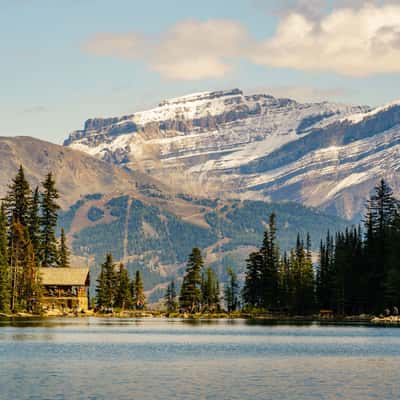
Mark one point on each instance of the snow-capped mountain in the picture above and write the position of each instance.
(332, 167)
(325, 155)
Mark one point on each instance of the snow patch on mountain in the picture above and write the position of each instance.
(187, 107)
(215, 138)
(321, 175)
(358, 117)
(263, 125)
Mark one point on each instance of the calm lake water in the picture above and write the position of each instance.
(170, 359)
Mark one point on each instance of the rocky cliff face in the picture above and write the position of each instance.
(259, 147)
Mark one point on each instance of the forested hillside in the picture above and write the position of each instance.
(157, 241)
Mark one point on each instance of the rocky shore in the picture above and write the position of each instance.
(391, 320)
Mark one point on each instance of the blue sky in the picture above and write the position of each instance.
(65, 61)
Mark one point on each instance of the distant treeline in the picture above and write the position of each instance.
(358, 270)
(28, 221)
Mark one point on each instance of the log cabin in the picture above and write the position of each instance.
(65, 289)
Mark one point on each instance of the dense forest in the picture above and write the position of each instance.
(358, 269)
(28, 221)
(159, 238)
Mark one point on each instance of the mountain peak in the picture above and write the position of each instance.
(255, 146)
(207, 95)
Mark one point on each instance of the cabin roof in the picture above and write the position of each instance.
(52, 276)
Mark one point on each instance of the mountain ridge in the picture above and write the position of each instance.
(257, 147)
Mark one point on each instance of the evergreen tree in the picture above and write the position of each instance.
(210, 290)
(63, 252)
(325, 274)
(382, 206)
(123, 297)
(34, 223)
(30, 290)
(190, 297)
(49, 207)
(184, 299)
(25, 279)
(170, 298)
(270, 266)
(308, 247)
(106, 283)
(5, 283)
(132, 291)
(303, 279)
(286, 283)
(261, 287)
(231, 291)
(217, 296)
(379, 221)
(18, 198)
(18, 245)
(140, 297)
(252, 290)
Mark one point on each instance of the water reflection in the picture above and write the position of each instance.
(103, 358)
(22, 337)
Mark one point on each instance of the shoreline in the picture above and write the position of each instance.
(260, 317)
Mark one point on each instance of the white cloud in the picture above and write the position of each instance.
(190, 50)
(310, 8)
(357, 4)
(348, 42)
(351, 40)
(314, 9)
(199, 50)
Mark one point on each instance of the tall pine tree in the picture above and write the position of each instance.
(5, 282)
(231, 291)
(380, 218)
(63, 252)
(49, 207)
(190, 296)
(269, 273)
(253, 289)
(140, 298)
(170, 298)
(123, 297)
(34, 222)
(106, 284)
(18, 200)
(209, 290)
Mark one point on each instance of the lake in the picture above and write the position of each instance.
(95, 358)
